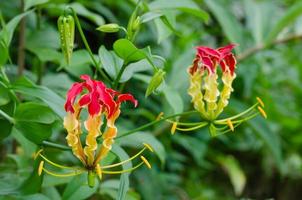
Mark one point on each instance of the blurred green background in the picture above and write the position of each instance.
(260, 160)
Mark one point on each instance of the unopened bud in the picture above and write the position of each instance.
(155, 82)
(109, 28)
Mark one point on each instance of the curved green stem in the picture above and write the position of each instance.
(7, 117)
(54, 145)
(154, 122)
(119, 75)
(77, 21)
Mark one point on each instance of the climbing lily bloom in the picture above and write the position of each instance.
(207, 99)
(101, 103)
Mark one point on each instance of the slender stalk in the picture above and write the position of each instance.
(55, 145)
(21, 53)
(7, 117)
(119, 75)
(97, 66)
(154, 122)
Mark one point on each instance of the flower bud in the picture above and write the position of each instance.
(66, 29)
(155, 82)
(136, 23)
(109, 28)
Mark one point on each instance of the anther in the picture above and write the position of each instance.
(148, 147)
(173, 128)
(260, 102)
(230, 124)
(262, 112)
(146, 162)
(40, 168)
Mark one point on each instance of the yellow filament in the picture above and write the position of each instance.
(55, 164)
(120, 163)
(260, 102)
(99, 171)
(148, 147)
(173, 128)
(230, 124)
(262, 112)
(159, 116)
(37, 154)
(40, 169)
(146, 162)
(123, 171)
(193, 128)
(62, 175)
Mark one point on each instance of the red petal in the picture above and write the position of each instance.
(94, 107)
(72, 93)
(230, 61)
(85, 99)
(208, 63)
(203, 50)
(89, 84)
(106, 98)
(226, 50)
(126, 97)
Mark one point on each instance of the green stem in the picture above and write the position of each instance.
(119, 75)
(154, 122)
(55, 145)
(7, 117)
(87, 46)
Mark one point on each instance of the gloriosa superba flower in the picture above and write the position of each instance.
(101, 103)
(207, 98)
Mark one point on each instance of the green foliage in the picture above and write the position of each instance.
(144, 48)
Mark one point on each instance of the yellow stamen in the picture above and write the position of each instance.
(62, 175)
(98, 171)
(262, 112)
(159, 116)
(230, 124)
(148, 147)
(124, 161)
(37, 154)
(146, 162)
(40, 169)
(193, 128)
(173, 128)
(55, 164)
(123, 171)
(260, 102)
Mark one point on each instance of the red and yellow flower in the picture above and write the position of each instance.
(101, 103)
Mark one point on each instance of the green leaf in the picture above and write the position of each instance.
(78, 189)
(35, 132)
(81, 10)
(270, 138)
(124, 180)
(30, 3)
(54, 101)
(137, 139)
(151, 15)
(187, 6)
(230, 25)
(236, 174)
(4, 97)
(289, 17)
(110, 62)
(6, 35)
(6, 126)
(79, 63)
(174, 99)
(34, 112)
(128, 51)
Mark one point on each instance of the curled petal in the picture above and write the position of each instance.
(72, 93)
(127, 97)
(85, 99)
(203, 50)
(106, 99)
(226, 50)
(89, 84)
(208, 64)
(230, 61)
(94, 107)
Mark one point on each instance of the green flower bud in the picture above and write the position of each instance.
(136, 24)
(109, 28)
(66, 29)
(155, 82)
